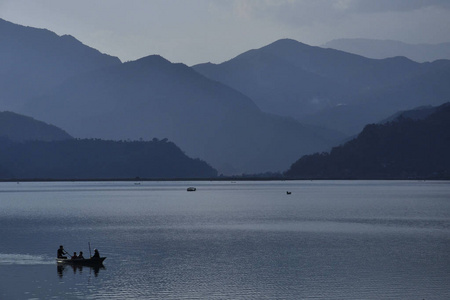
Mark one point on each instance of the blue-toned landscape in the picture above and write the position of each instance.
(71, 112)
(240, 149)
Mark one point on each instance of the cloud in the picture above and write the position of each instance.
(308, 12)
(317, 21)
(380, 6)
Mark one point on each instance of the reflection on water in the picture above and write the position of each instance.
(62, 268)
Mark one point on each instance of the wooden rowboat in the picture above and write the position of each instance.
(81, 261)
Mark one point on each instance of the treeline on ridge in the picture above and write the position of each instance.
(98, 159)
(401, 149)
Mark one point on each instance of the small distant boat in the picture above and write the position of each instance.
(191, 189)
(287, 192)
(81, 261)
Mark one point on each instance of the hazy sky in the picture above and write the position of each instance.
(195, 31)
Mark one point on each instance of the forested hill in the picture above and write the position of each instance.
(98, 159)
(401, 149)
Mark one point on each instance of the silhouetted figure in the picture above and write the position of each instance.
(96, 254)
(74, 255)
(61, 252)
(80, 256)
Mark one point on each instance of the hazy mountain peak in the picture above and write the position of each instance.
(153, 59)
(277, 48)
(311, 83)
(399, 58)
(146, 64)
(69, 37)
(282, 43)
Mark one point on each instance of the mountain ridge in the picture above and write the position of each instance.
(405, 147)
(152, 97)
(379, 49)
(34, 60)
(21, 128)
(217, 119)
(316, 85)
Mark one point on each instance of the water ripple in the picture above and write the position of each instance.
(24, 259)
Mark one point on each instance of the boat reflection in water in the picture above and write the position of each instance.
(61, 268)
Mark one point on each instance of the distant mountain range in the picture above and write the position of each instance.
(256, 113)
(152, 97)
(412, 145)
(331, 88)
(147, 98)
(380, 49)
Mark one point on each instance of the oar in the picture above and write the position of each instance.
(65, 252)
(90, 255)
(68, 253)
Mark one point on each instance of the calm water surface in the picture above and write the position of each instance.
(244, 240)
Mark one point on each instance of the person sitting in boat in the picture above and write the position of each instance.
(74, 255)
(80, 256)
(96, 254)
(61, 252)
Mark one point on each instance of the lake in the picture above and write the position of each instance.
(227, 240)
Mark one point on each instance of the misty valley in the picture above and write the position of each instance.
(286, 110)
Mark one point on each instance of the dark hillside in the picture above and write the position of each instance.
(97, 159)
(401, 149)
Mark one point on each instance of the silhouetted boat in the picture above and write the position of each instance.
(191, 189)
(81, 261)
(288, 192)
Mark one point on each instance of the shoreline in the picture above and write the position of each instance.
(250, 178)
